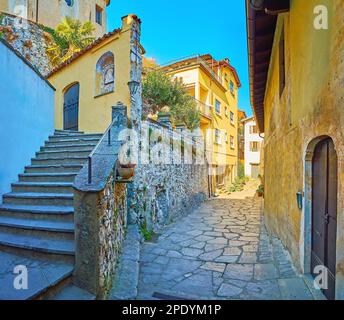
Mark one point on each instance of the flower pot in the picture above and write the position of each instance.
(259, 194)
(126, 171)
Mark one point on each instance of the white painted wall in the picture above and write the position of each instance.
(26, 113)
(251, 157)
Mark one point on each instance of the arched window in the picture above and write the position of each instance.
(105, 74)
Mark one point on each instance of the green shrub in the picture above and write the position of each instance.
(237, 185)
(147, 234)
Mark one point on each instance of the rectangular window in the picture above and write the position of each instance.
(99, 15)
(232, 117)
(217, 136)
(217, 106)
(282, 63)
(226, 137)
(232, 142)
(231, 87)
(226, 111)
(253, 130)
(254, 146)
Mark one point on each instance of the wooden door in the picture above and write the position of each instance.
(71, 108)
(324, 212)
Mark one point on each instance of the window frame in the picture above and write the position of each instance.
(99, 14)
(217, 139)
(232, 143)
(219, 104)
(252, 143)
(231, 87)
(231, 117)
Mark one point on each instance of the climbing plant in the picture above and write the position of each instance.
(1, 19)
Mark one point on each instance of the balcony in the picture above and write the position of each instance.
(190, 61)
(204, 109)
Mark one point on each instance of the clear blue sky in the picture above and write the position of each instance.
(173, 29)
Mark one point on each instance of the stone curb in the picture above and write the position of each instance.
(126, 278)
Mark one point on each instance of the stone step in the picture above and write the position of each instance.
(74, 136)
(70, 147)
(55, 213)
(39, 244)
(73, 292)
(62, 168)
(44, 225)
(43, 187)
(44, 229)
(43, 276)
(64, 154)
(33, 198)
(79, 141)
(55, 161)
(64, 132)
(48, 177)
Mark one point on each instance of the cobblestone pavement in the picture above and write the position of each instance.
(220, 251)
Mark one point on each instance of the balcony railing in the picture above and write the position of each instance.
(204, 109)
(195, 59)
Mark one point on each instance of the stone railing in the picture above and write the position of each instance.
(100, 207)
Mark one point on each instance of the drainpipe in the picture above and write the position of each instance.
(37, 4)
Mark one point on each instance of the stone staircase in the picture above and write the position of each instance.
(37, 220)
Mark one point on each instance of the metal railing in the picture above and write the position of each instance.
(106, 134)
(210, 70)
(196, 59)
(204, 109)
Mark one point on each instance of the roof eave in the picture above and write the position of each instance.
(261, 25)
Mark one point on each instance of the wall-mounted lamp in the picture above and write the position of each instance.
(133, 87)
(299, 198)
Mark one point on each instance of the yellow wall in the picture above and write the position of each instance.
(203, 82)
(310, 106)
(51, 12)
(95, 111)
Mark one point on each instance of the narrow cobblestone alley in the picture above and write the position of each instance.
(220, 251)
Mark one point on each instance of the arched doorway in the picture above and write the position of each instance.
(324, 211)
(71, 108)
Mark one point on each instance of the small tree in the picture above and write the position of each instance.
(69, 37)
(160, 90)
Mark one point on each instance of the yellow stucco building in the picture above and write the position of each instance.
(95, 79)
(51, 12)
(214, 85)
(296, 73)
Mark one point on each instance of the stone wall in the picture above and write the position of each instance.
(310, 109)
(161, 192)
(100, 214)
(100, 221)
(28, 39)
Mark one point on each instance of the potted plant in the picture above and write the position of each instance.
(260, 191)
(126, 170)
